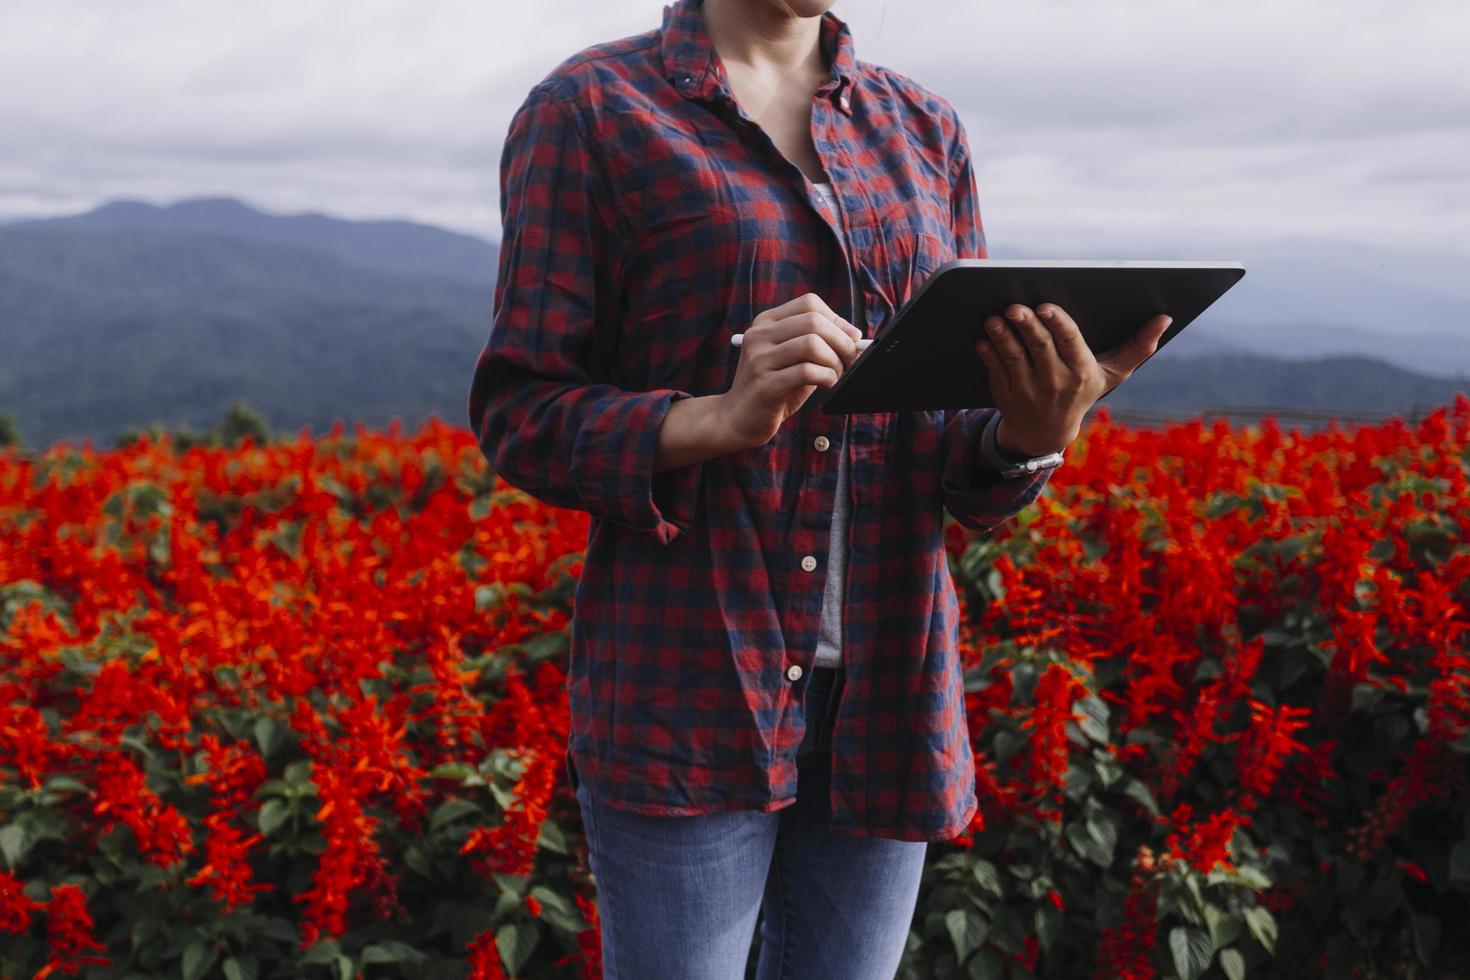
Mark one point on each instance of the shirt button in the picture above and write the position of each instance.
(793, 673)
(808, 563)
(821, 443)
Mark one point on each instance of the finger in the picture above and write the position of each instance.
(1067, 337)
(1046, 365)
(803, 374)
(809, 303)
(843, 344)
(1010, 350)
(996, 375)
(802, 348)
(1140, 347)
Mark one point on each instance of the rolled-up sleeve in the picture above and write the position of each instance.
(976, 495)
(544, 416)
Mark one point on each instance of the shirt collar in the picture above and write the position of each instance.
(692, 65)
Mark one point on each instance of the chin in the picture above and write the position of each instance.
(804, 8)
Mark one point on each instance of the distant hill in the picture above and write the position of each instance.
(134, 314)
(1350, 385)
(401, 248)
(131, 315)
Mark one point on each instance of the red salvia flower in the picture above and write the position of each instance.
(16, 907)
(69, 933)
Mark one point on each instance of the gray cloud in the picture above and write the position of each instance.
(1189, 124)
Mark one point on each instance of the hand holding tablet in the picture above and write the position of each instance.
(1045, 378)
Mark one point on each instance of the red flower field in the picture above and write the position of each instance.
(297, 709)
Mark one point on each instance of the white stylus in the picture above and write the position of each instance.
(739, 339)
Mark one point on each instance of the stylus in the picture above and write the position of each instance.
(739, 339)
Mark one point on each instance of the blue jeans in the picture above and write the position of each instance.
(679, 897)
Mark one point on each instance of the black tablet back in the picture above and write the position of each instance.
(924, 358)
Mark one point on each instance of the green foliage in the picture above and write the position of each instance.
(9, 434)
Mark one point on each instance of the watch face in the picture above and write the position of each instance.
(1042, 463)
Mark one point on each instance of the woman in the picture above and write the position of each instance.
(767, 710)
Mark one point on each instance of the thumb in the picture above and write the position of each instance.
(1141, 345)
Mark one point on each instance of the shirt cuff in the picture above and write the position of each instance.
(974, 491)
(612, 468)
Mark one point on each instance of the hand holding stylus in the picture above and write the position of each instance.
(862, 345)
(785, 355)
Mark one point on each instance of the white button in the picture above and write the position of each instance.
(808, 563)
(821, 443)
(793, 673)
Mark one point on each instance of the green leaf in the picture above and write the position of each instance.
(270, 734)
(451, 770)
(1460, 865)
(322, 952)
(1102, 827)
(513, 885)
(1263, 926)
(298, 773)
(558, 910)
(515, 941)
(986, 965)
(487, 597)
(966, 930)
(1109, 771)
(1048, 924)
(13, 844)
(1253, 876)
(1224, 927)
(240, 969)
(1426, 937)
(1094, 720)
(988, 877)
(553, 839)
(198, 958)
(417, 859)
(1138, 792)
(392, 951)
(452, 811)
(1191, 949)
(1233, 963)
(65, 784)
(344, 968)
(272, 787)
(274, 813)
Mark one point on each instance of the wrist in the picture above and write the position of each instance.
(1009, 449)
(724, 433)
(694, 430)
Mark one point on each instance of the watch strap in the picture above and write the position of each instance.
(1007, 467)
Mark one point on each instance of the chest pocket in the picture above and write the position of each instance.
(675, 196)
(918, 238)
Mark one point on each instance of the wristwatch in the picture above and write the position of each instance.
(1012, 469)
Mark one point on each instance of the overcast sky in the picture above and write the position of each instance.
(1202, 122)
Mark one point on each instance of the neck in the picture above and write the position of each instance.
(759, 35)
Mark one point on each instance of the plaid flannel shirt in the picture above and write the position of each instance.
(647, 218)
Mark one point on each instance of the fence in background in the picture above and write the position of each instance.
(1287, 418)
(1304, 418)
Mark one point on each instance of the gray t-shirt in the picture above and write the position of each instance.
(829, 638)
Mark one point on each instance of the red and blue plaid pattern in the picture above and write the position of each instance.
(646, 219)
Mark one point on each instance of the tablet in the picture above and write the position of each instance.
(923, 358)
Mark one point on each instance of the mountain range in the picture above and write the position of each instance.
(134, 314)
